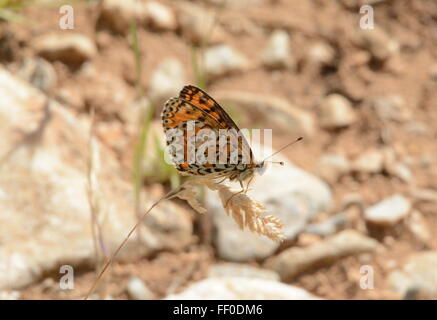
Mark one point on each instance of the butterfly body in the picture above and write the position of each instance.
(233, 158)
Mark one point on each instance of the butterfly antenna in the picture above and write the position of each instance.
(286, 146)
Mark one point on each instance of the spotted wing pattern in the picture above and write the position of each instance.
(195, 105)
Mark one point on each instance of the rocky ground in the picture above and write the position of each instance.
(358, 196)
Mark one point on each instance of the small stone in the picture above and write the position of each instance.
(39, 73)
(137, 290)
(391, 107)
(198, 25)
(159, 16)
(379, 43)
(167, 80)
(241, 270)
(240, 288)
(117, 15)
(336, 112)
(417, 279)
(400, 171)
(277, 53)
(70, 48)
(433, 72)
(332, 166)
(419, 227)
(279, 112)
(371, 161)
(294, 196)
(222, 59)
(424, 195)
(327, 227)
(291, 262)
(389, 211)
(321, 53)
(10, 295)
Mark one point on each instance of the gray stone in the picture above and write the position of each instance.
(241, 270)
(67, 47)
(238, 288)
(159, 16)
(277, 54)
(332, 166)
(336, 112)
(276, 111)
(137, 290)
(45, 210)
(380, 44)
(417, 278)
(222, 59)
(198, 25)
(289, 193)
(327, 227)
(389, 211)
(166, 81)
(370, 161)
(291, 262)
(118, 15)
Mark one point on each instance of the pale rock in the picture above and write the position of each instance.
(239, 288)
(44, 208)
(199, 26)
(424, 195)
(391, 107)
(220, 60)
(389, 211)
(336, 112)
(332, 166)
(419, 227)
(433, 72)
(70, 48)
(400, 171)
(321, 53)
(228, 269)
(327, 227)
(159, 16)
(277, 53)
(166, 81)
(277, 111)
(370, 161)
(119, 14)
(417, 278)
(381, 45)
(293, 261)
(289, 193)
(38, 72)
(137, 290)
(10, 295)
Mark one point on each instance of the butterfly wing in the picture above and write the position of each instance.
(203, 101)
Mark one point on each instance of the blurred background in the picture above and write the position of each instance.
(82, 85)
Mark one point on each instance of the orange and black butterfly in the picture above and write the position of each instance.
(196, 106)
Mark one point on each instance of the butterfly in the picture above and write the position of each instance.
(196, 106)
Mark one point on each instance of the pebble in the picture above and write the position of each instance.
(166, 81)
(70, 48)
(277, 54)
(241, 288)
(389, 211)
(336, 112)
(294, 261)
(137, 290)
(223, 59)
(332, 166)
